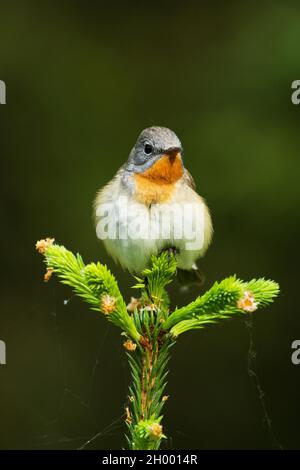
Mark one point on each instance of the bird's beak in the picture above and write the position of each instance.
(173, 153)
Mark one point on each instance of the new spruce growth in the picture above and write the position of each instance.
(150, 327)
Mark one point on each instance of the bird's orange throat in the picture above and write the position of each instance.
(167, 170)
(157, 183)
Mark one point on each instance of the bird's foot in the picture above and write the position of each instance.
(172, 251)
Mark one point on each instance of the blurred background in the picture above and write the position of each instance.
(83, 79)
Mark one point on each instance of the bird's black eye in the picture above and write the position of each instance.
(148, 149)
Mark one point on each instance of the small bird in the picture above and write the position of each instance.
(151, 205)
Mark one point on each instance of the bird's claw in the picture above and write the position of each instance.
(172, 251)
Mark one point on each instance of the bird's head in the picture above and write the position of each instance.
(157, 155)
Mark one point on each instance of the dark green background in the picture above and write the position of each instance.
(83, 79)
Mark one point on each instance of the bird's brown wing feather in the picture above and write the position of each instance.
(189, 179)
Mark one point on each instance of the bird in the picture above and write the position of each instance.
(151, 205)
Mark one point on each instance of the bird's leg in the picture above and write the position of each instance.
(172, 250)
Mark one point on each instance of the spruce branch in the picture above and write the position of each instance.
(150, 328)
(160, 273)
(221, 297)
(224, 299)
(94, 283)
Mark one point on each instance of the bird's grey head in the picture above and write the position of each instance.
(152, 144)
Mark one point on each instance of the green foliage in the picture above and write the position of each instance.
(146, 399)
(155, 278)
(263, 290)
(221, 297)
(147, 434)
(90, 282)
(219, 302)
(153, 328)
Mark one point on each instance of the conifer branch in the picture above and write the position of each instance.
(150, 328)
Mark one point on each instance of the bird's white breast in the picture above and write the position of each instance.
(132, 231)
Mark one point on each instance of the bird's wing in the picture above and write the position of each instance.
(189, 179)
